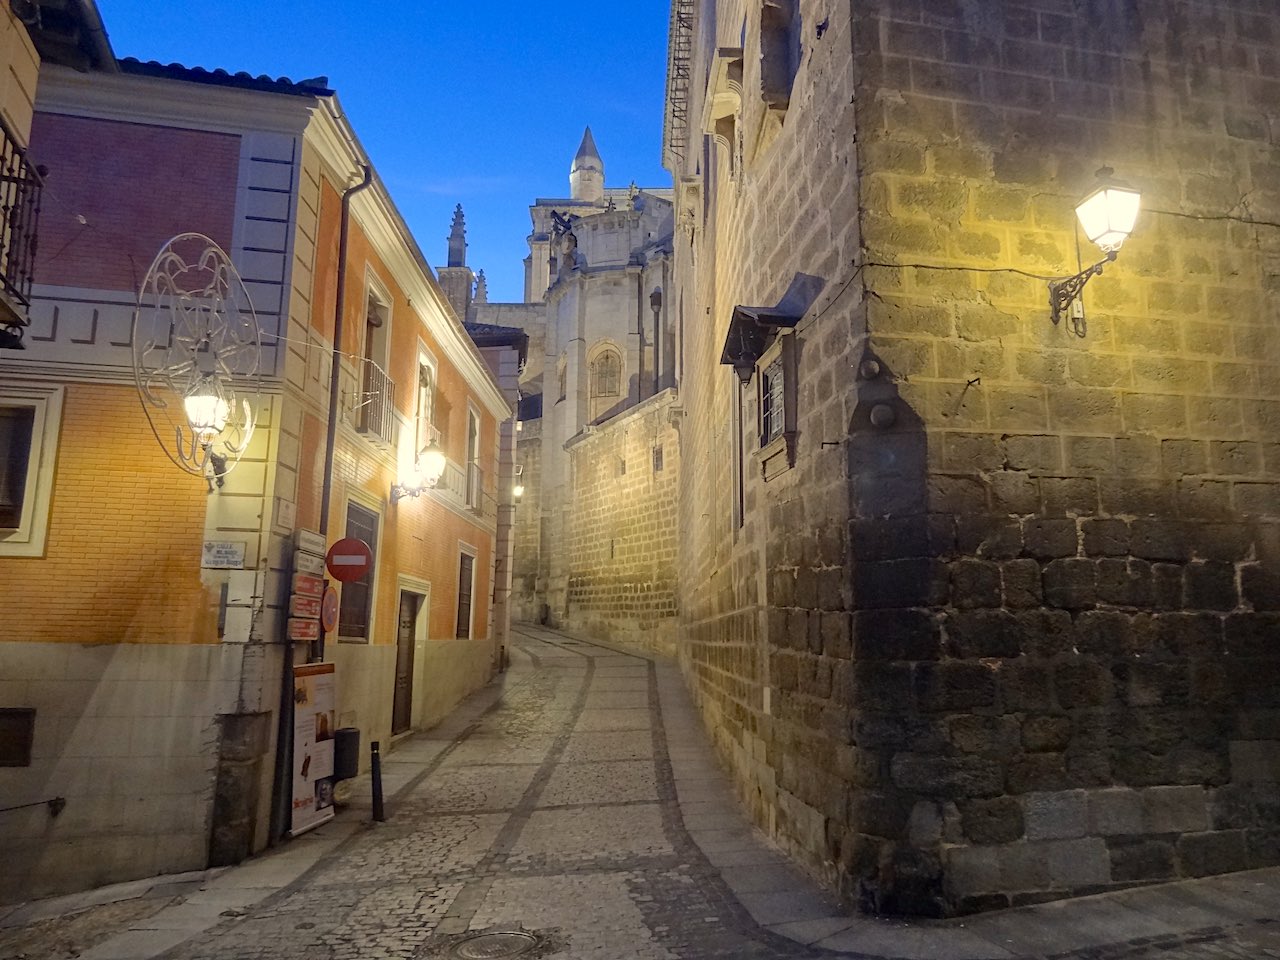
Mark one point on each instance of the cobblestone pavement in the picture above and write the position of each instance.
(585, 808)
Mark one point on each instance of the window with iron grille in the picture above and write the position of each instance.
(772, 413)
(657, 459)
(466, 578)
(356, 606)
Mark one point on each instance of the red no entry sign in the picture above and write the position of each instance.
(349, 559)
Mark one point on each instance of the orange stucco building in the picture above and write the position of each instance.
(146, 676)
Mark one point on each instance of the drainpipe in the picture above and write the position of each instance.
(336, 371)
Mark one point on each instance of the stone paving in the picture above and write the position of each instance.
(579, 802)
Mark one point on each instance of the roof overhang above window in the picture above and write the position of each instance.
(751, 331)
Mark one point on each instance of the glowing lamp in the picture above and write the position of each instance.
(206, 408)
(1108, 214)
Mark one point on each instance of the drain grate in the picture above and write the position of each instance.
(494, 946)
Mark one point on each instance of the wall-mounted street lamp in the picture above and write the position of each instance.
(427, 471)
(197, 353)
(1107, 216)
(517, 490)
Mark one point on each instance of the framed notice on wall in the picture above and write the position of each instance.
(313, 726)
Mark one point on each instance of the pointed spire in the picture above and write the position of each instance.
(482, 289)
(587, 150)
(458, 239)
(586, 176)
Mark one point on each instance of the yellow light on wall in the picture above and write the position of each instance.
(206, 408)
(1107, 216)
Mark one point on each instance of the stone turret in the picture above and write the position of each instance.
(482, 289)
(586, 176)
(458, 239)
(456, 279)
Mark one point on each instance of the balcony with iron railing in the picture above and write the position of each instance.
(374, 407)
(20, 187)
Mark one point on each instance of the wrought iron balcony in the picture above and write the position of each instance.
(20, 187)
(375, 403)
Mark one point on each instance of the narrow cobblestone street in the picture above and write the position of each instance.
(580, 804)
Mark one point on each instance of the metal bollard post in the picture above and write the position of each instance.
(375, 771)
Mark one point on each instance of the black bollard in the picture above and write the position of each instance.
(375, 773)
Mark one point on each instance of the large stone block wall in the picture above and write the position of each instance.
(769, 665)
(1020, 643)
(526, 601)
(623, 532)
(1063, 640)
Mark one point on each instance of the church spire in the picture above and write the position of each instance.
(458, 239)
(482, 289)
(586, 176)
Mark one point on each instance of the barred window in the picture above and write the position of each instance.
(771, 402)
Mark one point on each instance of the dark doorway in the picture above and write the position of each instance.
(406, 633)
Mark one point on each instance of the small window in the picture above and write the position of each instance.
(772, 402)
(426, 405)
(17, 426)
(475, 476)
(622, 466)
(356, 607)
(466, 587)
(17, 733)
(30, 418)
(780, 29)
(563, 373)
(606, 375)
(657, 459)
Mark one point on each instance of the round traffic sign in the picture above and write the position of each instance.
(349, 559)
(329, 610)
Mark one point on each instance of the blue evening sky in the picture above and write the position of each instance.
(479, 103)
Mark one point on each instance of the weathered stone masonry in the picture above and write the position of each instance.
(624, 535)
(1031, 649)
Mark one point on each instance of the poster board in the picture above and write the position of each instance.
(313, 729)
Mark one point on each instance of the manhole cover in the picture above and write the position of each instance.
(494, 946)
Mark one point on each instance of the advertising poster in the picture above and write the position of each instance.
(313, 726)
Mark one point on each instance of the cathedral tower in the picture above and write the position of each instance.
(586, 176)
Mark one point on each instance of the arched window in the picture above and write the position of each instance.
(606, 374)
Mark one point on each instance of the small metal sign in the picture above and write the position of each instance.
(349, 559)
(301, 630)
(311, 541)
(223, 555)
(304, 584)
(308, 607)
(329, 610)
(304, 562)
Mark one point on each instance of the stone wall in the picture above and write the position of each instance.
(1004, 632)
(526, 602)
(1065, 658)
(623, 531)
